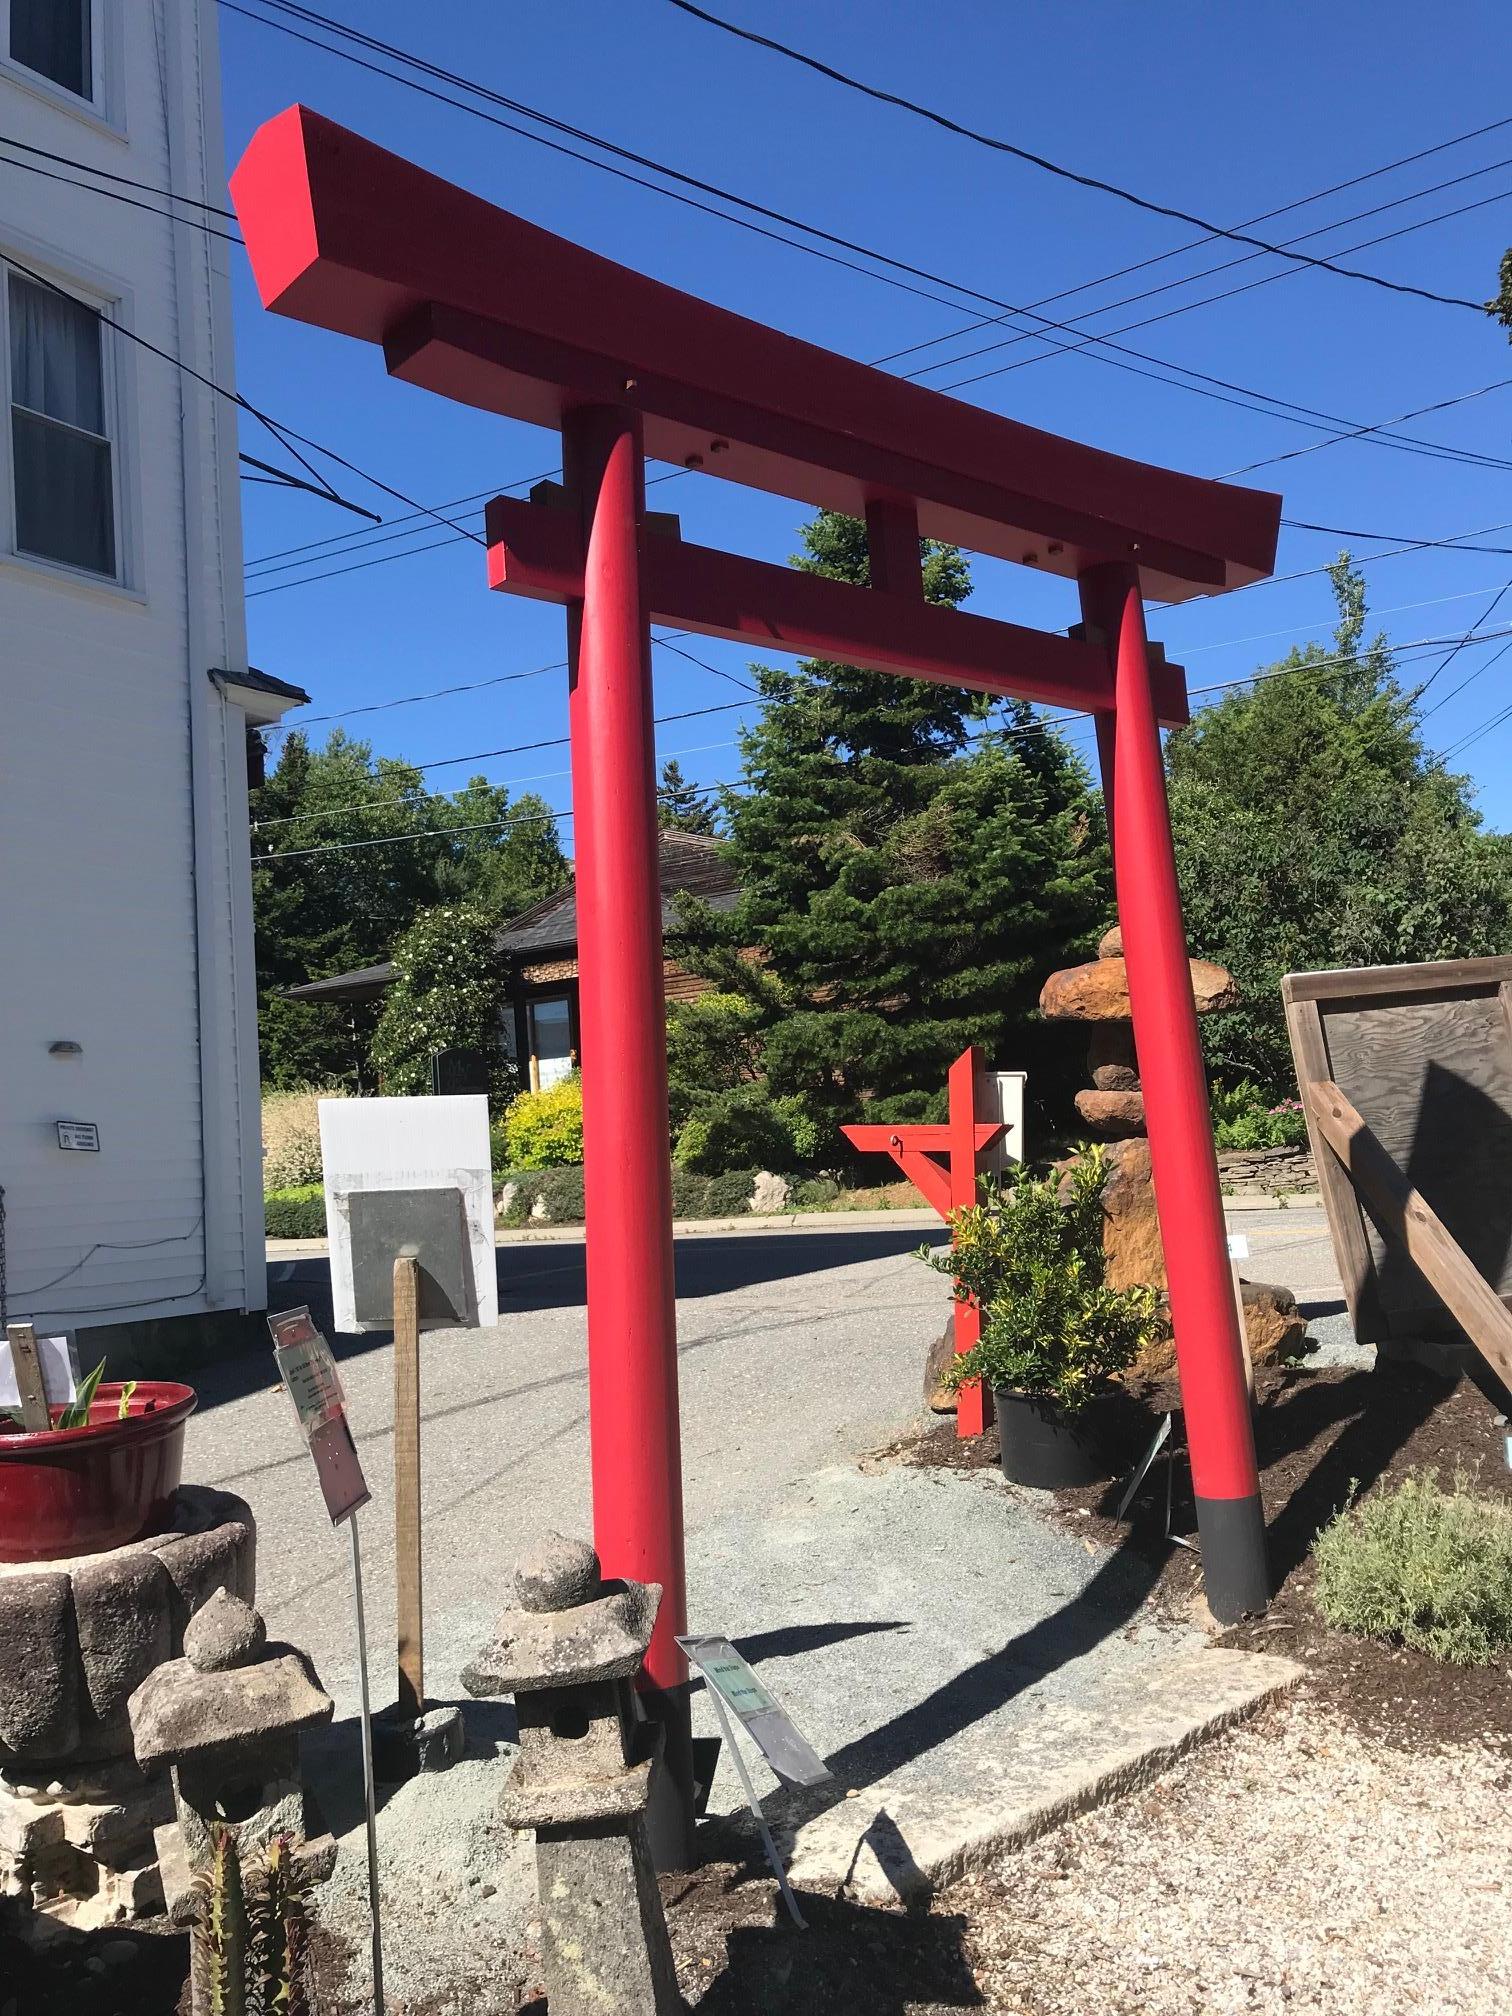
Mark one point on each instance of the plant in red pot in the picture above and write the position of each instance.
(102, 1475)
(1054, 1334)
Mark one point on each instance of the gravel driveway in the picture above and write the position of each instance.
(1295, 1866)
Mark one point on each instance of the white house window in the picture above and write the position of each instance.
(64, 482)
(55, 38)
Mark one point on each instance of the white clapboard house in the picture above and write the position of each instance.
(130, 1155)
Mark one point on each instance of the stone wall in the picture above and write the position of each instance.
(1266, 1172)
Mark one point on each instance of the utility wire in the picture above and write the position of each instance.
(1354, 433)
(1449, 657)
(1196, 244)
(1081, 179)
(127, 181)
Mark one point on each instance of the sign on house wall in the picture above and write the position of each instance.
(409, 1177)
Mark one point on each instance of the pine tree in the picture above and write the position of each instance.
(1313, 828)
(913, 860)
(681, 806)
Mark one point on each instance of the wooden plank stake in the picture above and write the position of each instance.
(36, 1416)
(407, 1573)
(1406, 1215)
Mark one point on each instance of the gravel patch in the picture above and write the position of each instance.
(1297, 1866)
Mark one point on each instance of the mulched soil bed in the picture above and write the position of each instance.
(1319, 1435)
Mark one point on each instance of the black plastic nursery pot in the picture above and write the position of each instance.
(1045, 1448)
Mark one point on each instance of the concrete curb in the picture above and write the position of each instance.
(747, 1225)
(884, 1843)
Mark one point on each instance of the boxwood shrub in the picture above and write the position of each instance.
(296, 1213)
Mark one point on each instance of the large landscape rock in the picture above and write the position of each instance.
(1115, 1116)
(1099, 991)
(1131, 1228)
(1274, 1326)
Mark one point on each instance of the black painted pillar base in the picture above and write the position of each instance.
(669, 1818)
(1235, 1577)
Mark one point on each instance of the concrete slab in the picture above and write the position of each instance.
(972, 1673)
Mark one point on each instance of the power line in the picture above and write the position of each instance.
(1057, 168)
(1120, 352)
(1465, 741)
(117, 196)
(1196, 244)
(1490, 610)
(128, 181)
(1312, 447)
(1244, 259)
(285, 435)
(1409, 545)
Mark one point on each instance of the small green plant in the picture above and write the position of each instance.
(251, 1933)
(1032, 1257)
(76, 1413)
(1422, 1567)
(544, 1130)
(1243, 1117)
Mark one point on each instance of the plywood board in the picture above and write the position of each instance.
(389, 1145)
(1424, 1053)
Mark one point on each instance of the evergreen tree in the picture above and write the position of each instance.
(680, 805)
(913, 859)
(1313, 828)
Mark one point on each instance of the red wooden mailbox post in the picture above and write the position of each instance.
(963, 1140)
(474, 303)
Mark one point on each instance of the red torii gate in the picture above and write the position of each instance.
(962, 1140)
(475, 303)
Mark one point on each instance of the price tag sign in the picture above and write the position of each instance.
(768, 1723)
(307, 1367)
(308, 1370)
(1238, 1246)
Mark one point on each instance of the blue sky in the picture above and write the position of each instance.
(1224, 112)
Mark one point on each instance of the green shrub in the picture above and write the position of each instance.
(544, 1130)
(291, 1136)
(743, 1129)
(690, 1194)
(559, 1192)
(1032, 1256)
(297, 1212)
(730, 1193)
(713, 1046)
(498, 1151)
(1424, 1567)
(817, 1194)
(1243, 1117)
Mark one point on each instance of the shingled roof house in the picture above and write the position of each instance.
(538, 953)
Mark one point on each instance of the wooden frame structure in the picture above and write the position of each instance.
(1405, 1075)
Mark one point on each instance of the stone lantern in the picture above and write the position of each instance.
(568, 1653)
(227, 1718)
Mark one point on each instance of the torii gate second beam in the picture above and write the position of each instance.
(479, 305)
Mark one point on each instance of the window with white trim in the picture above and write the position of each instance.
(63, 473)
(55, 40)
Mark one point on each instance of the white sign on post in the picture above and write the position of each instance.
(1000, 1096)
(370, 1145)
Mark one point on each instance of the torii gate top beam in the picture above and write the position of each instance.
(473, 302)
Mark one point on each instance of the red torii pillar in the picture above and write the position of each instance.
(472, 302)
(964, 1139)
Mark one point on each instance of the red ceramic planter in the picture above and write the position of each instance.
(81, 1490)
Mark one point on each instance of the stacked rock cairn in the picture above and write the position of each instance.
(1112, 1111)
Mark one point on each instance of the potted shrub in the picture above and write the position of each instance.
(1054, 1334)
(102, 1475)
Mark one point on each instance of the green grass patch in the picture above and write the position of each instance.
(1422, 1566)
